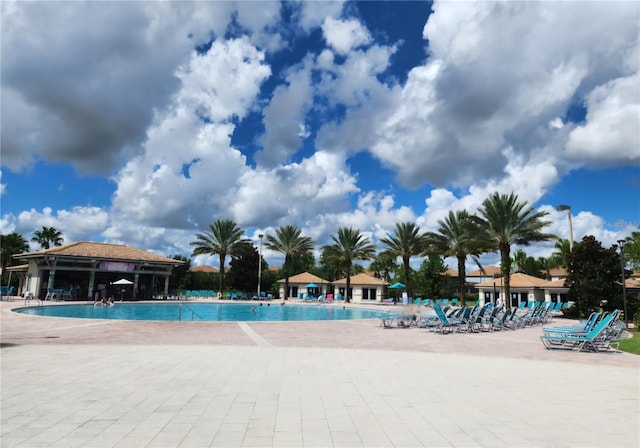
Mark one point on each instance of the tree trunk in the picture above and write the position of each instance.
(506, 272)
(461, 277)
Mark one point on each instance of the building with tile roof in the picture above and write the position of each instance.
(298, 285)
(83, 269)
(524, 288)
(364, 288)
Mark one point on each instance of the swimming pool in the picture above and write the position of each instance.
(232, 312)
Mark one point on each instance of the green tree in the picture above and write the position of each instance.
(350, 245)
(222, 238)
(508, 222)
(383, 266)
(431, 276)
(48, 236)
(243, 274)
(179, 272)
(290, 242)
(11, 244)
(594, 277)
(460, 236)
(560, 256)
(406, 243)
(632, 250)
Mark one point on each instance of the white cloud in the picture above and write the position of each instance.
(122, 58)
(611, 134)
(189, 169)
(285, 115)
(345, 35)
(312, 14)
(457, 113)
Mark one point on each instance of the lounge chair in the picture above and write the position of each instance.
(595, 340)
(447, 325)
(583, 327)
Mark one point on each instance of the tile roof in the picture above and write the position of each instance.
(517, 280)
(451, 272)
(558, 272)
(305, 277)
(489, 271)
(204, 268)
(361, 279)
(100, 251)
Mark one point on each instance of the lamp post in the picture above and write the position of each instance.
(562, 208)
(259, 263)
(624, 287)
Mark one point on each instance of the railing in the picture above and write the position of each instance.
(190, 309)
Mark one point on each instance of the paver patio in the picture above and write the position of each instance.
(72, 382)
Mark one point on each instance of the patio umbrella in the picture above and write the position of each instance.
(122, 282)
(397, 285)
(312, 285)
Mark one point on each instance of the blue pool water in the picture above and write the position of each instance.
(203, 312)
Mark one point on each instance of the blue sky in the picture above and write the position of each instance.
(141, 123)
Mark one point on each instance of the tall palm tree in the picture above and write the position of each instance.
(222, 238)
(350, 245)
(289, 241)
(509, 222)
(48, 236)
(406, 243)
(11, 244)
(460, 236)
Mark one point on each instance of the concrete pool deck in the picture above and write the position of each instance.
(73, 382)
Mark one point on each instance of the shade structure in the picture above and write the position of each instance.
(312, 285)
(122, 281)
(397, 285)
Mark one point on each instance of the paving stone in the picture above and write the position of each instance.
(69, 382)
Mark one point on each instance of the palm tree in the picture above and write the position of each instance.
(289, 242)
(383, 265)
(406, 243)
(350, 245)
(458, 236)
(222, 238)
(560, 256)
(48, 236)
(11, 244)
(509, 222)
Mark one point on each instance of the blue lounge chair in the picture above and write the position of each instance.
(595, 340)
(447, 325)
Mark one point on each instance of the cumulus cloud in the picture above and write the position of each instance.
(611, 132)
(345, 35)
(188, 165)
(468, 103)
(123, 60)
(284, 116)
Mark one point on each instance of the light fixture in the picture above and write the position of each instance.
(259, 263)
(624, 286)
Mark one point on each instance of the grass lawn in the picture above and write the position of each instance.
(631, 345)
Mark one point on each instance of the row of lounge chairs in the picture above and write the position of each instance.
(596, 334)
(473, 319)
